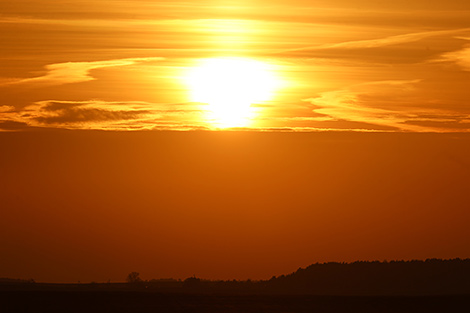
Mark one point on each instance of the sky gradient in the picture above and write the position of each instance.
(88, 205)
(111, 160)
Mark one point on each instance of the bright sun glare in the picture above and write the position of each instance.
(230, 86)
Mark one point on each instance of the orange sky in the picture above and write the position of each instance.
(361, 65)
(97, 205)
(360, 152)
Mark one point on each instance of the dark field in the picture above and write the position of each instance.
(39, 301)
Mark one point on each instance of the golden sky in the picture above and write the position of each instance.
(93, 206)
(353, 142)
(340, 65)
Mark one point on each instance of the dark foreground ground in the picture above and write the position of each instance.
(39, 301)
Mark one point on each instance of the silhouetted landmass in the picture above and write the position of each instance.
(397, 286)
(151, 302)
(430, 277)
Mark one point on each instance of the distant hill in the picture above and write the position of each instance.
(429, 277)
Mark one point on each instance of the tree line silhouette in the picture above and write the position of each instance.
(370, 278)
(429, 277)
(415, 277)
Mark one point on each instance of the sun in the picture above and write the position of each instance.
(230, 86)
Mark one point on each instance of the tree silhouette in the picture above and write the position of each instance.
(133, 278)
(192, 282)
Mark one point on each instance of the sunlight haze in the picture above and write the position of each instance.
(230, 139)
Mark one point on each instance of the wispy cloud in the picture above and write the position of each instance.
(460, 57)
(6, 112)
(76, 72)
(385, 103)
(9, 119)
(381, 42)
(6, 108)
(96, 114)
